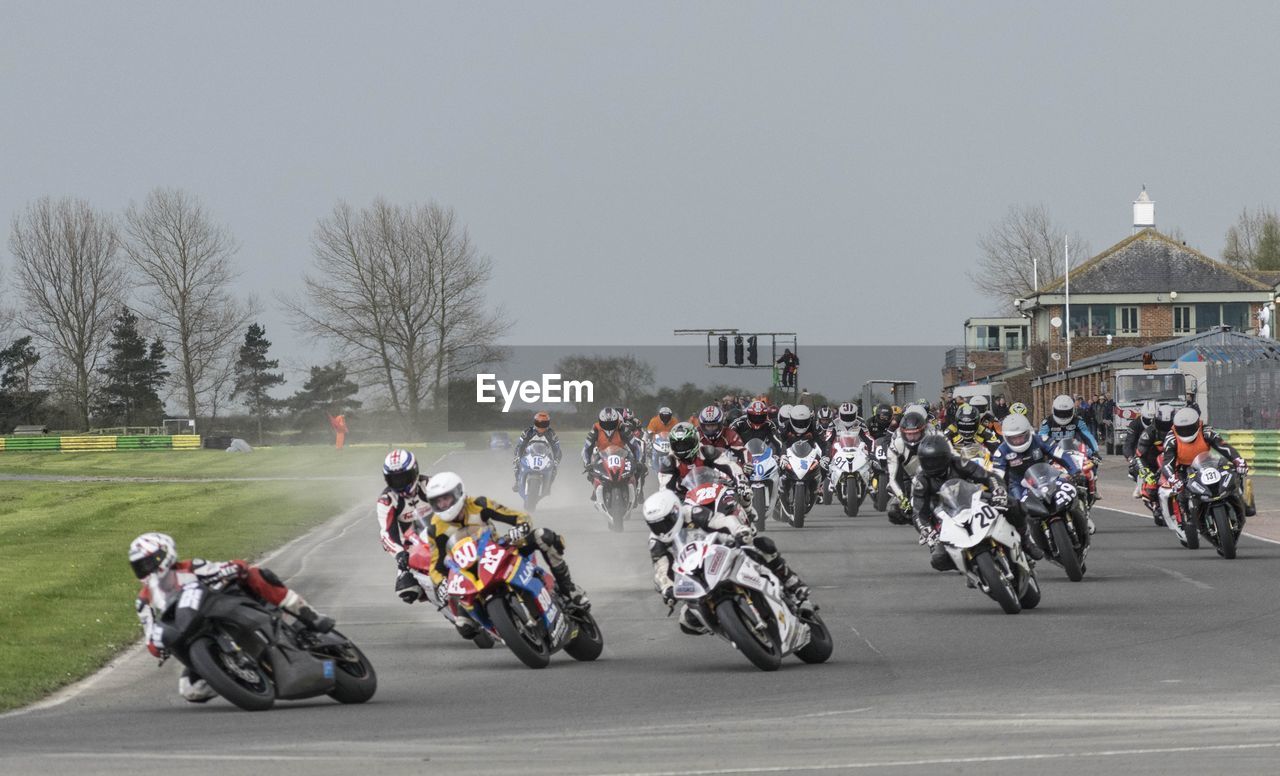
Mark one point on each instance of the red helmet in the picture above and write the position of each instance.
(757, 414)
(542, 421)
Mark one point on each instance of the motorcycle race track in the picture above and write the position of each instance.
(1161, 661)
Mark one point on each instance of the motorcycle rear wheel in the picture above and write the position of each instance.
(1066, 550)
(997, 586)
(355, 682)
(529, 648)
(1226, 537)
(589, 642)
(766, 657)
(207, 660)
(1190, 530)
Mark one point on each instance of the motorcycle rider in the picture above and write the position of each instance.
(666, 514)
(802, 428)
(1021, 449)
(967, 431)
(713, 430)
(541, 430)
(939, 463)
(662, 423)
(687, 451)
(608, 432)
(1133, 431)
(1064, 426)
(755, 424)
(902, 449)
(454, 510)
(825, 418)
(881, 422)
(784, 419)
(154, 559)
(1148, 461)
(1190, 438)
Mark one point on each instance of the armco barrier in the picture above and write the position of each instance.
(1260, 448)
(86, 443)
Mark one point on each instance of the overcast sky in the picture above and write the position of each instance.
(634, 168)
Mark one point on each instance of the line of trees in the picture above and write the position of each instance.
(115, 314)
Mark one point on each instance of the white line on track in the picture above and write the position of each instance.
(794, 768)
(1178, 575)
(1147, 516)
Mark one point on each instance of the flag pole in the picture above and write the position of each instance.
(1066, 267)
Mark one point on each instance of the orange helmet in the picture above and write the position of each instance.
(542, 421)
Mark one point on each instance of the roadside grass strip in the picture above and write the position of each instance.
(66, 590)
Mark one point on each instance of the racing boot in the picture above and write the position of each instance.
(690, 624)
(575, 594)
(297, 606)
(194, 689)
(940, 559)
(1029, 546)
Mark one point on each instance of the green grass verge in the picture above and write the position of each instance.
(282, 461)
(66, 591)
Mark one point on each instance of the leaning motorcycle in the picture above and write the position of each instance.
(537, 472)
(1056, 519)
(737, 597)
(615, 471)
(762, 475)
(798, 486)
(250, 655)
(514, 599)
(1215, 505)
(850, 472)
(985, 547)
(420, 566)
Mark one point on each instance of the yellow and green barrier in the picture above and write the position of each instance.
(88, 443)
(1260, 448)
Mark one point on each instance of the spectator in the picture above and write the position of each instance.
(1001, 409)
(790, 365)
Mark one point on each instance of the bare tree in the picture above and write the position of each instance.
(71, 282)
(399, 292)
(1244, 240)
(184, 266)
(1023, 248)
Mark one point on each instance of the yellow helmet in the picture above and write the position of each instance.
(1018, 408)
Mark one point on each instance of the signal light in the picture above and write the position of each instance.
(737, 349)
(753, 351)
(724, 350)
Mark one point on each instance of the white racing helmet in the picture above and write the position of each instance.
(662, 513)
(152, 553)
(446, 496)
(1064, 409)
(1017, 433)
(1186, 424)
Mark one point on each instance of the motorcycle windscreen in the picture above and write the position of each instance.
(955, 496)
(756, 448)
(537, 455)
(801, 449)
(1042, 480)
(699, 476)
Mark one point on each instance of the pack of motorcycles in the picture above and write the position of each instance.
(514, 601)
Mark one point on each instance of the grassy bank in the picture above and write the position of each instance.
(66, 591)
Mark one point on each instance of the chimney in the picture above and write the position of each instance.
(1144, 212)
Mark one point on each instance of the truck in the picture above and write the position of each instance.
(1135, 387)
(896, 392)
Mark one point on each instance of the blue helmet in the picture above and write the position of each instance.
(400, 470)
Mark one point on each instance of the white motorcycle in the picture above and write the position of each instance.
(985, 547)
(738, 598)
(801, 479)
(762, 475)
(537, 471)
(850, 476)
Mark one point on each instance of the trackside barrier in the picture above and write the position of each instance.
(1260, 448)
(81, 444)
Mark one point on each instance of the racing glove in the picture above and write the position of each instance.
(402, 560)
(1176, 486)
(407, 588)
(1241, 466)
(669, 595)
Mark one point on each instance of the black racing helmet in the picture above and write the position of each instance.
(967, 420)
(935, 455)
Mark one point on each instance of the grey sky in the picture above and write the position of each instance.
(665, 165)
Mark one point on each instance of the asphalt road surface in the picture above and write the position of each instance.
(1162, 661)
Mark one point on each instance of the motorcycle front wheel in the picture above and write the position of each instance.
(1066, 550)
(758, 503)
(589, 642)
(529, 645)
(354, 678)
(799, 503)
(1226, 537)
(248, 688)
(763, 650)
(881, 502)
(997, 586)
(849, 487)
(820, 645)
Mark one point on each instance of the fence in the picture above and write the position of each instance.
(1244, 395)
(69, 444)
(1260, 448)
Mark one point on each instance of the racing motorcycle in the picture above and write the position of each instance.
(880, 474)
(850, 472)
(1056, 519)
(1215, 506)
(615, 471)
(250, 655)
(537, 472)
(798, 486)
(1079, 454)
(762, 474)
(659, 447)
(737, 597)
(985, 547)
(514, 599)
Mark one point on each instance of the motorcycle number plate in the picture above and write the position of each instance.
(537, 462)
(614, 461)
(465, 553)
(1210, 476)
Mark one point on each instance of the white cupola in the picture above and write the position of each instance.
(1144, 212)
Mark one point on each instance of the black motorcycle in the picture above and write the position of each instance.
(1056, 517)
(250, 655)
(880, 474)
(1215, 504)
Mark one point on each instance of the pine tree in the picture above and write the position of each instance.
(18, 402)
(254, 376)
(326, 392)
(134, 374)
